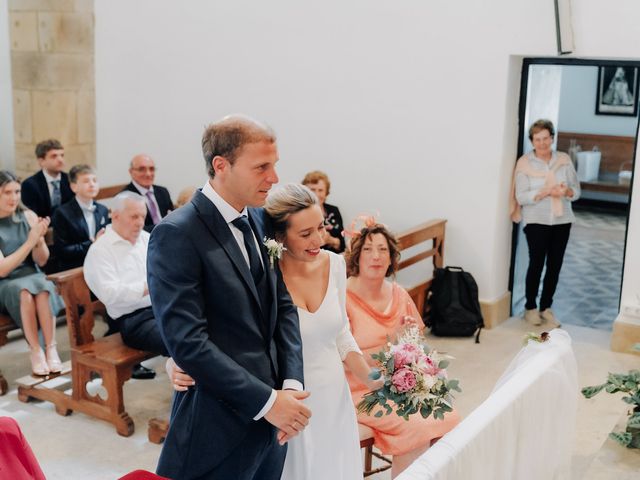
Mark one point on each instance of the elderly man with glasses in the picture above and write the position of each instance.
(143, 171)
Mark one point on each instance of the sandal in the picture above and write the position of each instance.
(39, 365)
(53, 359)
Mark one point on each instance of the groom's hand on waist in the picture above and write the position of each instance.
(289, 414)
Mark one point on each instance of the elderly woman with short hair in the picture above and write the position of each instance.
(545, 185)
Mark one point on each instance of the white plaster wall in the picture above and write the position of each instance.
(7, 151)
(410, 106)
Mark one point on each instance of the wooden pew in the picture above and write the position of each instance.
(110, 192)
(428, 239)
(6, 325)
(107, 358)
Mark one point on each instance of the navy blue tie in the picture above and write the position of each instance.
(242, 224)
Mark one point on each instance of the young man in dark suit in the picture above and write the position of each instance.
(46, 190)
(79, 222)
(227, 319)
(143, 172)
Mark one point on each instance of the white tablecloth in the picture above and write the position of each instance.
(523, 431)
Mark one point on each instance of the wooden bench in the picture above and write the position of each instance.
(107, 358)
(425, 241)
(6, 325)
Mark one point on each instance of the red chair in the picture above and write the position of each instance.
(142, 475)
(17, 461)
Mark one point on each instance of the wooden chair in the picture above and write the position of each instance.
(4, 387)
(6, 325)
(366, 442)
(108, 358)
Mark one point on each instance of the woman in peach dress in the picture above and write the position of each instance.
(378, 308)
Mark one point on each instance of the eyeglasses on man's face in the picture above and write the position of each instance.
(144, 169)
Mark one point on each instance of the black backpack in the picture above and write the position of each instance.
(455, 309)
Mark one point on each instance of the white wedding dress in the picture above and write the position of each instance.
(329, 448)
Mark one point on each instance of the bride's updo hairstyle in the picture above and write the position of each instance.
(284, 202)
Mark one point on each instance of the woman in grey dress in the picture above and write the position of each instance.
(25, 293)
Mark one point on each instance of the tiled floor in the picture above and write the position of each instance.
(589, 287)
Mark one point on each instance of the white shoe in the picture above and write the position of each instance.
(532, 317)
(53, 359)
(549, 318)
(39, 365)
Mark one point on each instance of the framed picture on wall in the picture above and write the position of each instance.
(617, 91)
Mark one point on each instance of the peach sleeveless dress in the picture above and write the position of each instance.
(393, 435)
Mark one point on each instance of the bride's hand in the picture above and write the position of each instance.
(179, 379)
(374, 384)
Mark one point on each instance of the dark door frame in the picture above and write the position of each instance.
(524, 82)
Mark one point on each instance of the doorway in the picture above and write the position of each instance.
(601, 136)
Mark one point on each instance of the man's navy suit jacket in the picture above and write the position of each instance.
(71, 240)
(35, 193)
(210, 317)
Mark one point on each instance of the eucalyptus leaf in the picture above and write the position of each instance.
(589, 392)
(623, 438)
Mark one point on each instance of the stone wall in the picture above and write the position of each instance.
(52, 69)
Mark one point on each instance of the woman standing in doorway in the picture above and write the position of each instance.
(545, 185)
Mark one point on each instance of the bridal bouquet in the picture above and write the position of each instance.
(415, 379)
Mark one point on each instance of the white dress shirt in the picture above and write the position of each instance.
(87, 212)
(116, 272)
(229, 214)
(50, 179)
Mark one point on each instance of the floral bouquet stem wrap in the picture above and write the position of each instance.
(415, 379)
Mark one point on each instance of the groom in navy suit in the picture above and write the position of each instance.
(226, 318)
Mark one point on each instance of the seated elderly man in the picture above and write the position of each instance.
(115, 270)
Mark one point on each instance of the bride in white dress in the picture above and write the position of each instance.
(329, 447)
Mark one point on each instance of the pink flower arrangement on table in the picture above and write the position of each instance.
(415, 379)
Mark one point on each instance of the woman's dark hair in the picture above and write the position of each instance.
(7, 177)
(352, 256)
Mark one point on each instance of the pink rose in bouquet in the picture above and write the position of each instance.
(406, 354)
(404, 380)
(430, 368)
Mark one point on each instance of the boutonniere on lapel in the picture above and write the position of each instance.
(274, 250)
